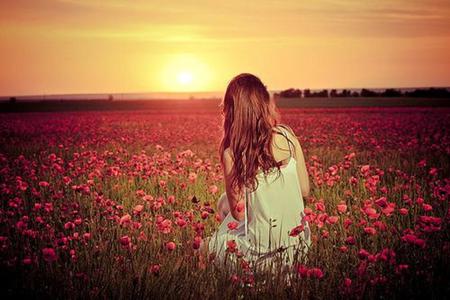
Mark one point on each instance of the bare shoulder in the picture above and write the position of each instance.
(227, 156)
(290, 133)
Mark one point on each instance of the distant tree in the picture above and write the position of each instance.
(355, 94)
(431, 93)
(368, 93)
(322, 93)
(307, 93)
(12, 100)
(391, 93)
(333, 93)
(110, 98)
(346, 93)
(291, 93)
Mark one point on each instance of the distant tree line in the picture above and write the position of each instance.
(307, 93)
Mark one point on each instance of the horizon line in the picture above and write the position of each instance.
(211, 92)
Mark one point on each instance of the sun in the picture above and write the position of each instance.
(185, 73)
(184, 78)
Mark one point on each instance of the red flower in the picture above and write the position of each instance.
(125, 240)
(232, 225)
(302, 271)
(296, 230)
(197, 242)
(350, 240)
(49, 254)
(347, 282)
(154, 269)
(363, 254)
(320, 206)
(213, 189)
(315, 272)
(370, 230)
(342, 207)
(231, 246)
(170, 246)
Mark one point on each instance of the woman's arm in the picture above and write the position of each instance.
(235, 200)
(301, 166)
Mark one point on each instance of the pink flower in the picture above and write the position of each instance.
(433, 171)
(49, 254)
(342, 207)
(231, 246)
(307, 211)
(125, 219)
(403, 211)
(165, 226)
(381, 202)
(427, 207)
(343, 249)
(363, 254)
(171, 199)
(413, 239)
(370, 230)
(296, 230)
(302, 271)
(125, 240)
(320, 206)
(213, 189)
(43, 184)
(232, 225)
(181, 222)
(371, 212)
(86, 236)
(350, 240)
(197, 242)
(365, 169)
(315, 272)
(347, 282)
(154, 269)
(332, 219)
(170, 246)
(389, 209)
(192, 177)
(69, 225)
(140, 193)
(204, 214)
(138, 209)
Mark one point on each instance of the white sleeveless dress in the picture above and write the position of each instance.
(271, 212)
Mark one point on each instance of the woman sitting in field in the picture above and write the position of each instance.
(265, 180)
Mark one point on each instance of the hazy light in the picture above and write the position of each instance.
(185, 73)
(184, 78)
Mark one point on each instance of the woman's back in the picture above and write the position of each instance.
(276, 207)
(272, 211)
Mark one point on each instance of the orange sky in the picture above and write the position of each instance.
(75, 46)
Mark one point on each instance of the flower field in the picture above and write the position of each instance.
(116, 204)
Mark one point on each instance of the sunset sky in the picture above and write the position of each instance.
(95, 46)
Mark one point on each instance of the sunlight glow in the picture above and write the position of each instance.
(184, 78)
(185, 73)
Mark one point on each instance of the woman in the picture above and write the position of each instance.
(265, 180)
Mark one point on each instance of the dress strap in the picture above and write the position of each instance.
(246, 220)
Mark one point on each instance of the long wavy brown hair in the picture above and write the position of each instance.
(249, 116)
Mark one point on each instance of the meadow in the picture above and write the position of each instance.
(114, 204)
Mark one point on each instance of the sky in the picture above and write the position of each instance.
(95, 46)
